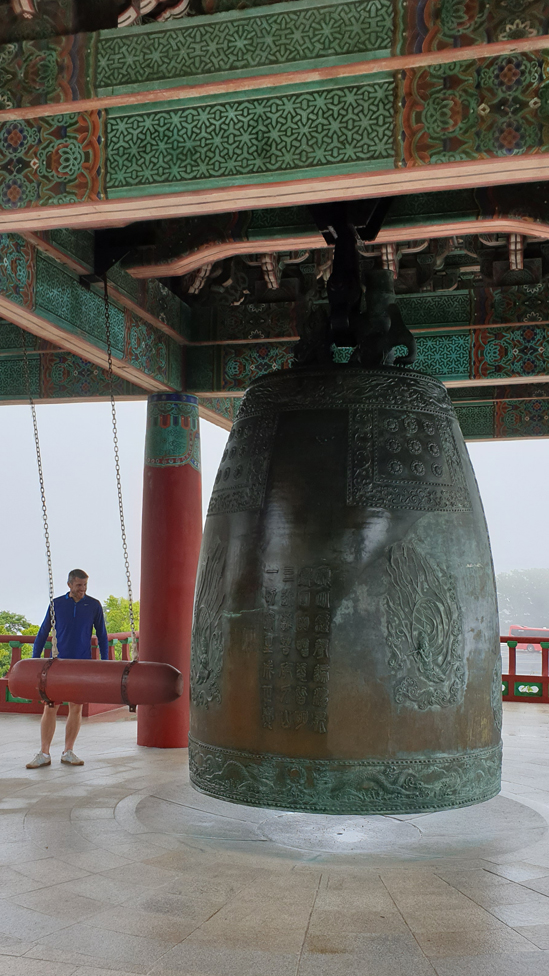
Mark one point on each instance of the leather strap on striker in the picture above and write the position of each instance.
(48, 661)
(124, 684)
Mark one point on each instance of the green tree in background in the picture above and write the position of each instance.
(13, 623)
(5, 649)
(523, 597)
(117, 614)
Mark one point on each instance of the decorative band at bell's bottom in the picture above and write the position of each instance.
(346, 786)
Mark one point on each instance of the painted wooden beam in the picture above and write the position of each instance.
(47, 300)
(153, 302)
(464, 358)
(425, 313)
(301, 142)
(504, 420)
(55, 375)
(294, 42)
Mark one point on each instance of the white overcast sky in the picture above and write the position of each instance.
(81, 493)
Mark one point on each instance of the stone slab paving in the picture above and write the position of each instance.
(119, 867)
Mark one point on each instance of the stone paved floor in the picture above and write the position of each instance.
(119, 866)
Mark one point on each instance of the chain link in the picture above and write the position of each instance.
(117, 466)
(54, 650)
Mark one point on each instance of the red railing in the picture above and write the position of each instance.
(16, 641)
(525, 687)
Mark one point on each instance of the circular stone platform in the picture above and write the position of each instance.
(499, 826)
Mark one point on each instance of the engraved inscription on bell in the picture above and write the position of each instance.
(345, 652)
(295, 664)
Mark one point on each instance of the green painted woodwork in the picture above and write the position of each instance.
(505, 352)
(11, 339)
(447, 23)
(504, 419)
(446, 113)
(427, 311)
(185, 236)
(12, 377)
(17, 270)
(53, 159)
(264, 39)
(523, 689)
(225, 407)
(74, 243)
(438, 309)
(57, 375)
(256, 320)
(61, 298)
(446, 357)
(29, 278)
(476, 420)
(452, 112)
(522, 418)
(153, 297)
(452, 356)
(528, 303)
(282, 38)
(290, 133)
(149, 294)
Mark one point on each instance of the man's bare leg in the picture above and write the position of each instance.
(74, 721)
(47, 727)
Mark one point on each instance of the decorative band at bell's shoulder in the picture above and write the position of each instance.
(345, 641)
(173, 437)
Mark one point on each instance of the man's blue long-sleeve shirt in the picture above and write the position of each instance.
(73, 624)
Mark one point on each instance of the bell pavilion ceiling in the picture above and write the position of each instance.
(179, 147)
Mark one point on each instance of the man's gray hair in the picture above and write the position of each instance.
(76, 574)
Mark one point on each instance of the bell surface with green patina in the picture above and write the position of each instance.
(345, 650)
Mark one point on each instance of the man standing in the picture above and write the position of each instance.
(75, 615)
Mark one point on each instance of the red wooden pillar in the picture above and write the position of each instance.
(171, 536)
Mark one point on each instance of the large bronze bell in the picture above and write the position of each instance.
(345, 654)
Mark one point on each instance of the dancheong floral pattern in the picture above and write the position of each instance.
(54, 159)
(460, 23)
(474, 109)
(17, 269)
(36, 72)
(522, 418)
(241, 366)
(63, 375)
(510, 352)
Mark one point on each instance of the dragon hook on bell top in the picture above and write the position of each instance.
(363, 312)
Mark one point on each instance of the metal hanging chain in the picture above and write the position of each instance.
(54, 650)
(117, 466)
